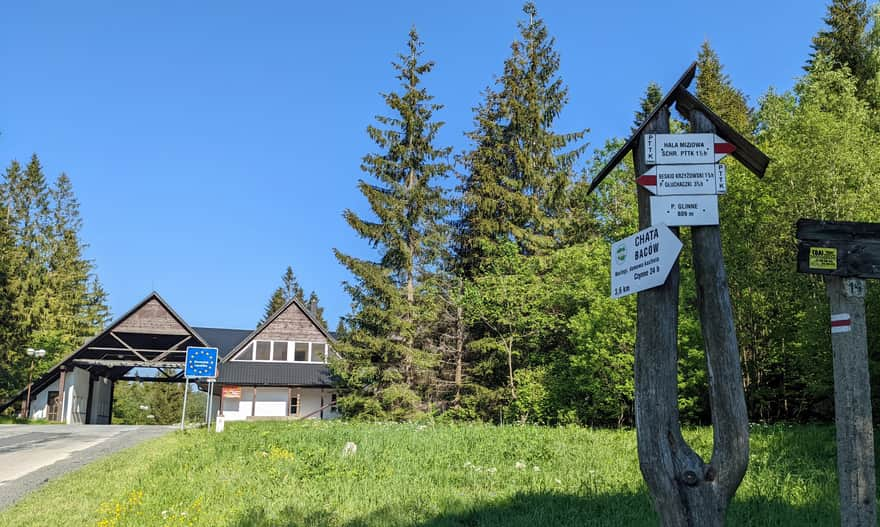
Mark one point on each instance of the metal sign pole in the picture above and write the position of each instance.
(210, 402)
(183, 415)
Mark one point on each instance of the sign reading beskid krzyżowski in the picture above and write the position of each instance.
(643, 260)
(678, 149)
(665, 180)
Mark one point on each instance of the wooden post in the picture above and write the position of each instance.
(289, 397)
(730, 422)
(852, 405)
(254, 402)
(221, 401)
(62, 377)
(658, 433)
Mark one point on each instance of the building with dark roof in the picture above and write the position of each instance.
(278, 370)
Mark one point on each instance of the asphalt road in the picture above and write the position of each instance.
(31, 455)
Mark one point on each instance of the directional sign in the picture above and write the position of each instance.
(200, 362)
(666, 180)
(684, 210)
(643, 260)
(683, 149)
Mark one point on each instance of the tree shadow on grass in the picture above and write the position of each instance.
(541, 509)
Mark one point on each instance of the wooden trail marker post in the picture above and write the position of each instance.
(846, 253)
(686, 490)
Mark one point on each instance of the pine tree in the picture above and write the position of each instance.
(11, 332)
(68, 270)
(314, 305)
(290, 287)
(27, 199)
(847, 42)
(288, 290)
(715, 89)
(652, 97)
(384, 347)
(518, 171)
(276, 302)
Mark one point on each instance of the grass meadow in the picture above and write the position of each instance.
(295, 474)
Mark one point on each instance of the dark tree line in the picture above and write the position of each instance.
(489, 299)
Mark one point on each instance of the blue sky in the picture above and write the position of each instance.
(211, 144)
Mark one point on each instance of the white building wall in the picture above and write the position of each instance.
(272, 402)
(40, 402)
(76, 396)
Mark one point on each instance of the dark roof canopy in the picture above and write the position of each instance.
(746, 153)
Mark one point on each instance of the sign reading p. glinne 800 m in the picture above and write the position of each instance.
(683, 149)
(643, 260)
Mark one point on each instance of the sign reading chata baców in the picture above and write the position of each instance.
(684, 210)
(201, 363)
(666, 180)
(643, 260)
(684, 149)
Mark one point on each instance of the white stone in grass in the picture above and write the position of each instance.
(520, 465)
(349, 449)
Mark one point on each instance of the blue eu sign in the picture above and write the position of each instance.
(201, 362)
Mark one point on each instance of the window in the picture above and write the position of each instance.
(301, 351)
(294, 405)
(247, 353)
(279, 351)
(318, 352)
(262, 351)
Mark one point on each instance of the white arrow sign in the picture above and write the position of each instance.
(681, 149)
(684, 210)
(665, 180)
(643, 260)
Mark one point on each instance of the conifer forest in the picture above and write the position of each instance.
(487, 293)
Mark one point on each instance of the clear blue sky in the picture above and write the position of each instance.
(211, 144)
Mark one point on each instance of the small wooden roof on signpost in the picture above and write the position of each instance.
(745, 152)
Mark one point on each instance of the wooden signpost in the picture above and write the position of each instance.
(847, 253)
(687, 491)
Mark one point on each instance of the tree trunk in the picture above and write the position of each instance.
(852, 405)
(459, 352)
(510, 368)
(687, 491)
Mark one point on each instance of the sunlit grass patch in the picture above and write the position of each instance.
(296, 473)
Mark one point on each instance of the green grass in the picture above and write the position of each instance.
(12, 420)
(293, 474)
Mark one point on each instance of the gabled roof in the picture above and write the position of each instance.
(50, 376)
(746, 153)
(293, 302)
(225, 340)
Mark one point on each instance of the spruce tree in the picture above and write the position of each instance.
(847, 42)
(385, 349)
(68, 270)
(276, 302)
(27, 198)
(519, 170)
(288, 290)
(314, 305)
(716, 90)
(652, 97)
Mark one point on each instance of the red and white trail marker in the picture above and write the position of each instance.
(667, 180)
(683, 149)
(841, 323)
